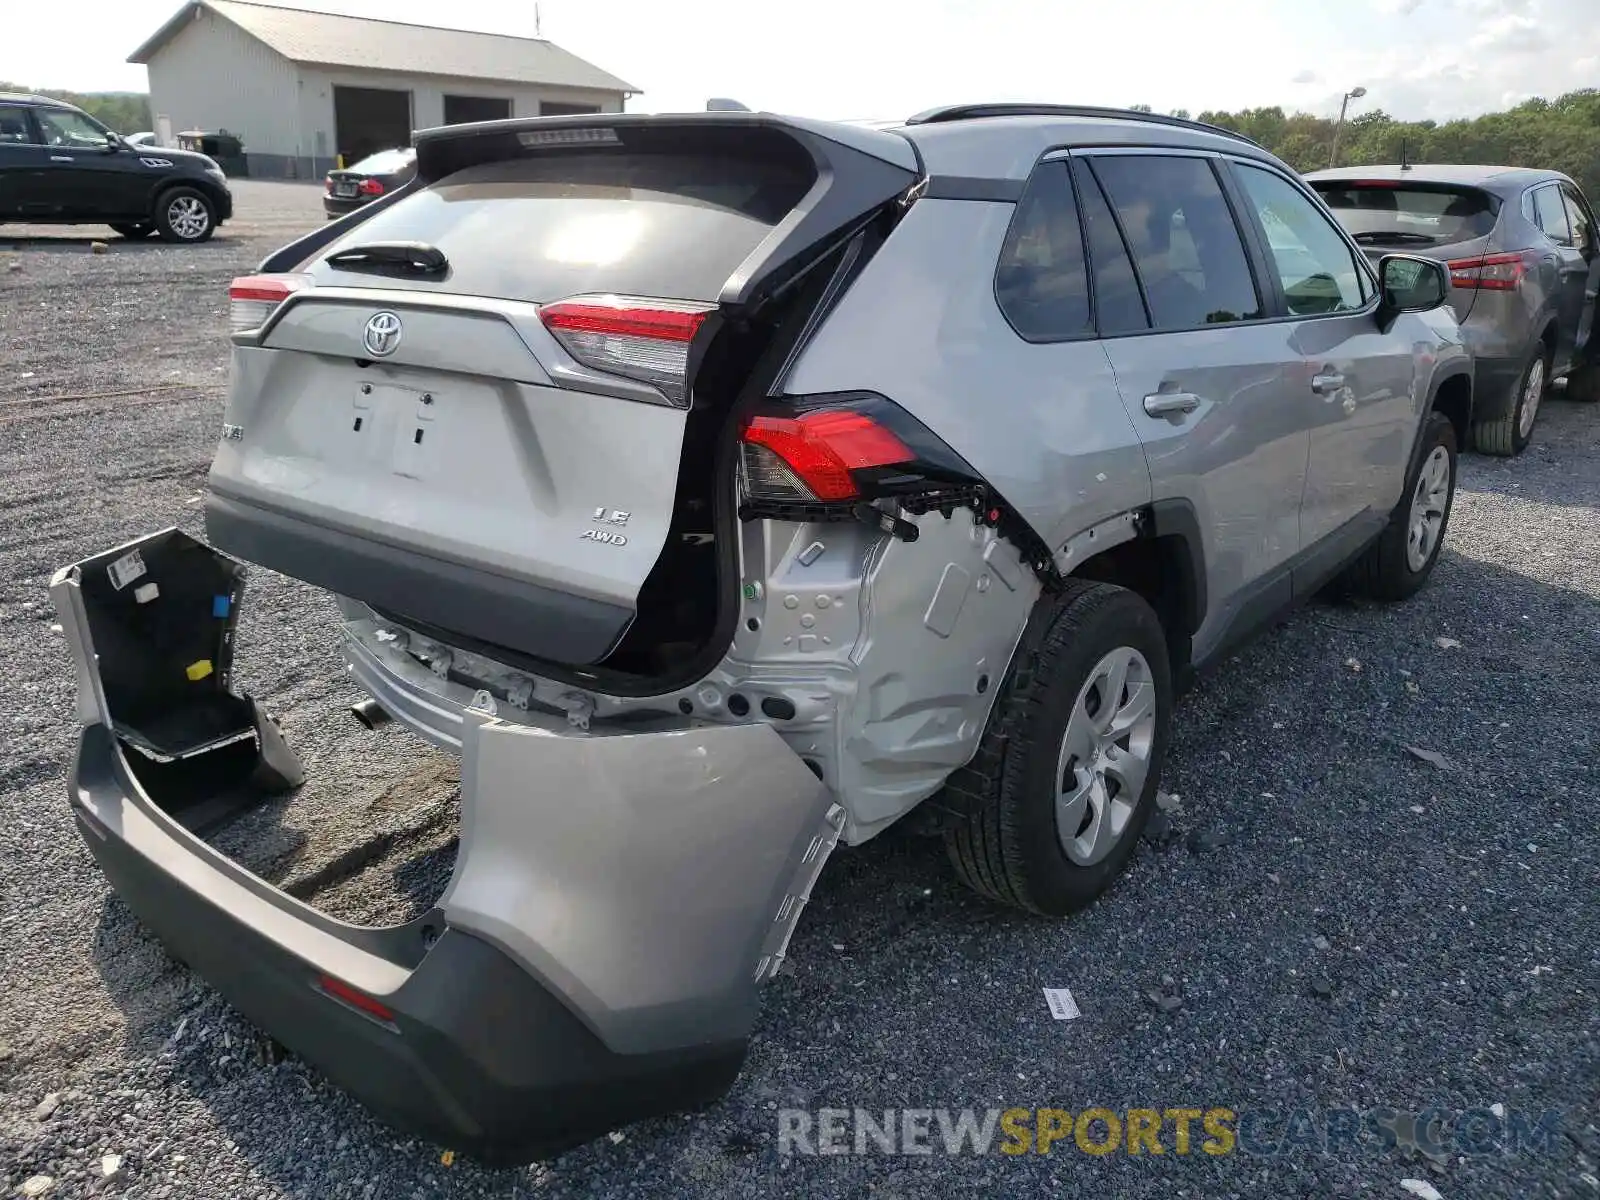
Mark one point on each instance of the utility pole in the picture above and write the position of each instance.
(538, 30)
(1352, 94)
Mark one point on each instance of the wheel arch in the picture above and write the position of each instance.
(1453, 396)
(1164, 563)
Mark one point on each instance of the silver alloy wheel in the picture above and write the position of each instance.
(188, 218)
(1428, 506)
(1105, 755)
(1532, 393)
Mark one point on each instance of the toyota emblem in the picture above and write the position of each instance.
(383, 334)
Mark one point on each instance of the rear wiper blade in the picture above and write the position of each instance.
(1394, 235)
(411, 258)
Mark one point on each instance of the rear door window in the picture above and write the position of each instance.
(1118, 306)
(1578, 217)
(1315, 265)
(1382, 212)
(668, 226)
(16, 129)
(1041, 282)
(1550, 214)
(1186, 248)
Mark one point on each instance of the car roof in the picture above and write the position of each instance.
(27, 98)
(1492, 178)
(1005, 141)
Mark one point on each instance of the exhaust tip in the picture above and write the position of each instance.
(370, 713)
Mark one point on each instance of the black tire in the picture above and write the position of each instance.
(1004, 843)
(1583, 385)
(1503, 435)
(173, 205)
(1385, 570)
(133, 232)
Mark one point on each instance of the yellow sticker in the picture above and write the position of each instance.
(197, 671)
(448, 1158)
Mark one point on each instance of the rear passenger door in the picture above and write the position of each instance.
(1571, 268)
(1580, 218)
(1213, 386)
(1359, 390)
(21, 157)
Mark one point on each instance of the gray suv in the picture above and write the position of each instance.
(1524, 261)
(719, 487)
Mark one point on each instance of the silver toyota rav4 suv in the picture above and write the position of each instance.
(720, 487)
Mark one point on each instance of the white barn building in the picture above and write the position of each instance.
(302, 88)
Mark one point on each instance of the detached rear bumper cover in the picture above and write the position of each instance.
(595, 957)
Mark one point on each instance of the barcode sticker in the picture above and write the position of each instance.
(1062, 1006)
(126, 569)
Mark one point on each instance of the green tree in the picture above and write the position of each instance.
(125, 112)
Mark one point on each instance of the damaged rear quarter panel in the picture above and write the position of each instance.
(1043, 423)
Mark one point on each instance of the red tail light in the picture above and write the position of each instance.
(340, 990)
(647, 340)
(252, 299)
(370, 187)
(812, 456)
(1489, 273)
(327, 183)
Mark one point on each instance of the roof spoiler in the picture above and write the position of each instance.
(723, 104)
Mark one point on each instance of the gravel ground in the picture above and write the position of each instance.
(1346, 925)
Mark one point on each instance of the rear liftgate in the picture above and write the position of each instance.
(594, 959)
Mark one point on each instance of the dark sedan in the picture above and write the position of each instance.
(377, 174)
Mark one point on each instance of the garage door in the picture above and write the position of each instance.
(462, 110)
(366, 120)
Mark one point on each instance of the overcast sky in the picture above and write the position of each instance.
(886, 58)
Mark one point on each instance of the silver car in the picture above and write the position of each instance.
(1524, 262)
(722, 487)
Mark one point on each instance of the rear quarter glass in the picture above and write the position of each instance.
(544, 229)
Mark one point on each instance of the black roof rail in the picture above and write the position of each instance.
(966, 112)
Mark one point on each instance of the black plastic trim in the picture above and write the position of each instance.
(541, 622)
(1177, 519)
(973, 187)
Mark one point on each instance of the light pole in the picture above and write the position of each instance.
(1352, 94)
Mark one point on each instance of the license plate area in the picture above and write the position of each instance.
(344, 189)
(396, 426)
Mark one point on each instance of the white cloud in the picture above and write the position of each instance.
(1307, 77)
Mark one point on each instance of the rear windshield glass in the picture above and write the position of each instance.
(663, 225)
(385, 161)
(1381, 212)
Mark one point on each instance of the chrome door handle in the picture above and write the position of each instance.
(1170, 404)
(1327, 383)
(62, 158)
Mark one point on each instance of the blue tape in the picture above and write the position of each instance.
(219, 606)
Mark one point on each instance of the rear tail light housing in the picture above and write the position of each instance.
(1489, 272)
(327, 184)
(252, 299)
(641, 339)
(837, 457)
(370, 187)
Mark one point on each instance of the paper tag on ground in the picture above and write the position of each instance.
(126, 569)
(1062, 1006)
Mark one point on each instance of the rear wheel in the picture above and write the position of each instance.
(1583, 385)
(1065, 778)
(134, 232)
(1396, 565)
(185, 215)
(1509, 434)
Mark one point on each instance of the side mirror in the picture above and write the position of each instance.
(114, 143)
(1410, 283)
